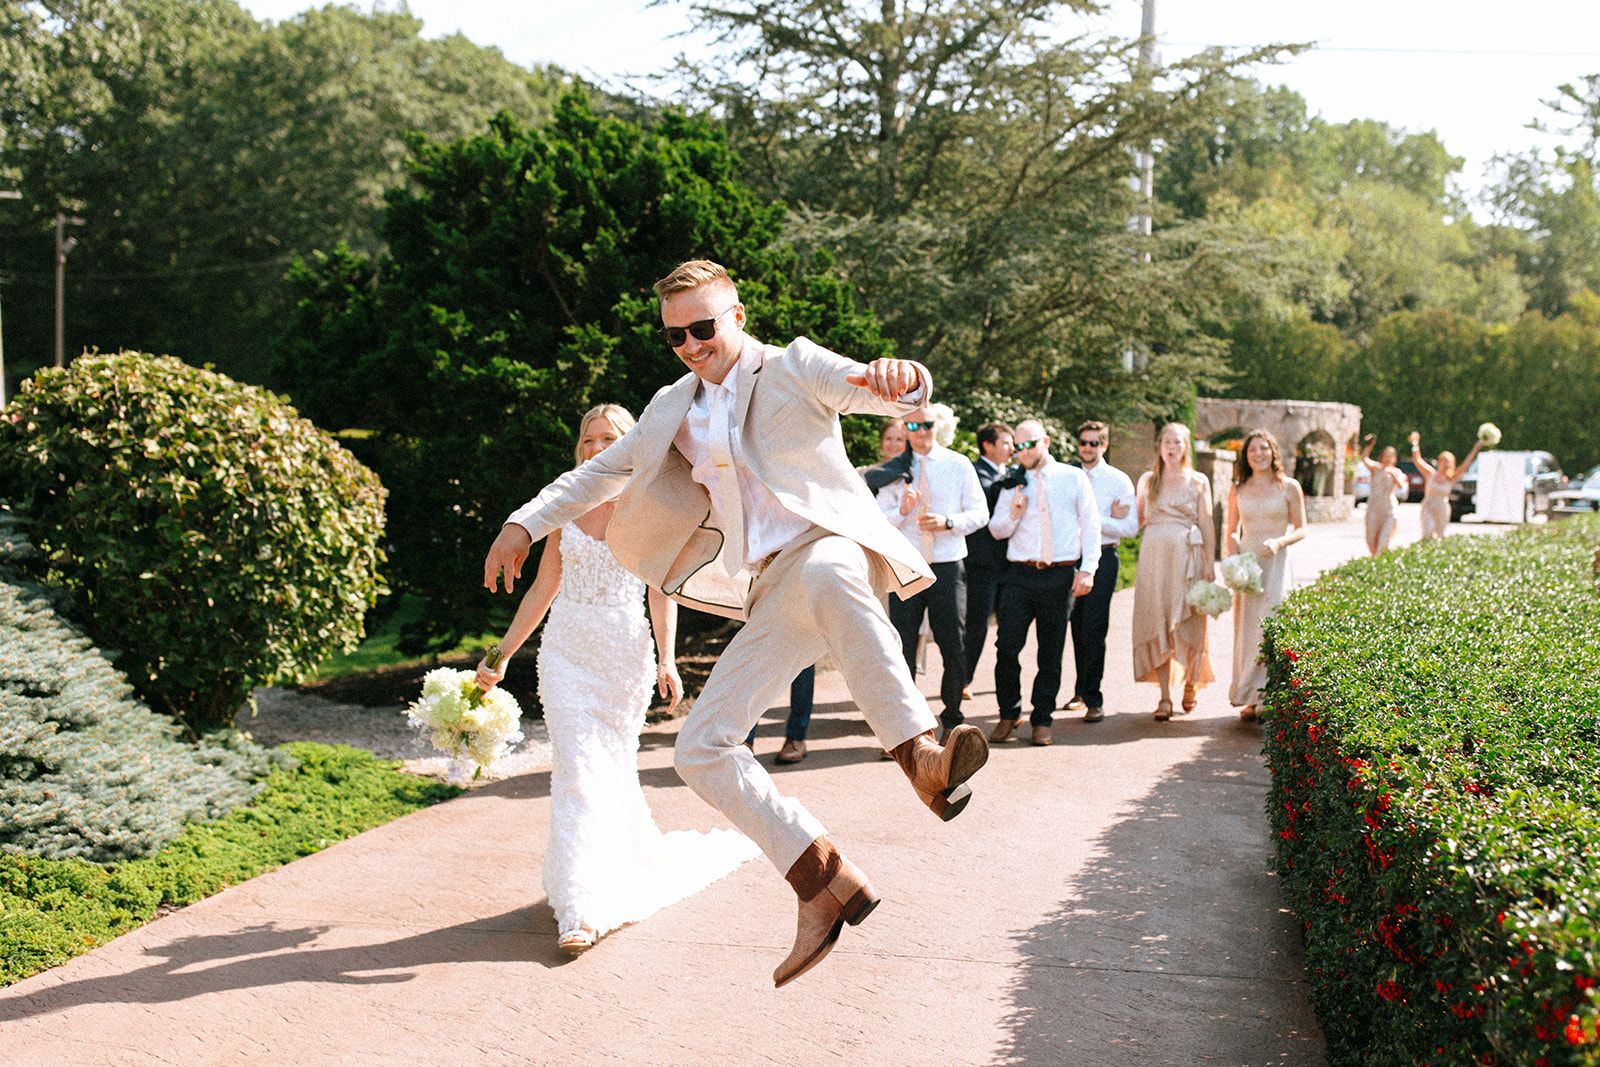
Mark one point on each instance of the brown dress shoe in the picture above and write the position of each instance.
(791, 752)
(966, 692)
(939, 773)
(1075, 704)
(1002, 731)
(1094, 714)
(1041, 736)
(832, 892)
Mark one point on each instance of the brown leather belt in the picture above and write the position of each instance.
(1039, 565)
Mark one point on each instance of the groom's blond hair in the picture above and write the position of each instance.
(692, 275)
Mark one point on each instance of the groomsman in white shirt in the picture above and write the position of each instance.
(1091, 615)
(936, 510)
(1054, 528)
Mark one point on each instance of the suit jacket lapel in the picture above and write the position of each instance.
(751, 360)
(674, 409)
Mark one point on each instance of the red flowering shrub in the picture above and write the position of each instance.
(1432, 723)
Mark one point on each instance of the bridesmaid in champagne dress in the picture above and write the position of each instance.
(1177, 547)
(1441, 477)
(1385, 480)
(1266, 514)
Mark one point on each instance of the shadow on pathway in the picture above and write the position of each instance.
(1169, 947)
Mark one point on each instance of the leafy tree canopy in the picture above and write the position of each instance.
(516, 294)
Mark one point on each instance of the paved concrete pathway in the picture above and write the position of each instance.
(1108, 900)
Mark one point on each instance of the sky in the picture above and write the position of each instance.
(1472, 71)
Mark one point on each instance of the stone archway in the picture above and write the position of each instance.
(1330, 426)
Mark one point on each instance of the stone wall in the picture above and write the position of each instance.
(1333, 425)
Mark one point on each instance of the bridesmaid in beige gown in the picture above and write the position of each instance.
(1266, 514)
(1384, 482)
(1177, 546)
(1441, 477)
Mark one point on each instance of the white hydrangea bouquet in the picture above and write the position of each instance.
(1488, 435)
(1241, 573)
(472, 727)
(1209, 597)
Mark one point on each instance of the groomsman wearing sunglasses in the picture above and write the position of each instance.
(735, 496)
(1091, 615)
(1054, 549)
(936, 510)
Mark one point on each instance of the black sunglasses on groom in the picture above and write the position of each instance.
(702, 329)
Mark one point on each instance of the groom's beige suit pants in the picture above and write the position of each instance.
(816, 596)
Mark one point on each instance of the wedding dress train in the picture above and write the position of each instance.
(607, 863)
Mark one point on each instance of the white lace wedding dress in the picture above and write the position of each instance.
(607, 863)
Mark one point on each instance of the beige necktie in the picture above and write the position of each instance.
(1047, 543)
(729, 506)
(922, 507)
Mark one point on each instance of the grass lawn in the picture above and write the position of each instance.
(378, 649)
(53, 910)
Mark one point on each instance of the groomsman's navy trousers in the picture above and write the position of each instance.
(1091, 620)
(1041, 599)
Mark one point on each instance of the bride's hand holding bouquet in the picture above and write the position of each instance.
(473, 723)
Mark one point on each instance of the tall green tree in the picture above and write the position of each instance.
(204, 150)
(515, 294)
(970, 175)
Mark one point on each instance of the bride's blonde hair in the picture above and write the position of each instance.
(618, 416)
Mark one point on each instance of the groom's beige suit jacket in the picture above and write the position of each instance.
(787, 414)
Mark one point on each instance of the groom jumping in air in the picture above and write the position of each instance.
(737, 498)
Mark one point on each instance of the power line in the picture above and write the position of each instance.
(1401, 51)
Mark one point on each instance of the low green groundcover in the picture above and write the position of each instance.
(52, 910)
(1433, 730)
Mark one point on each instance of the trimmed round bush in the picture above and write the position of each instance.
(200, 527)
(1432, 724)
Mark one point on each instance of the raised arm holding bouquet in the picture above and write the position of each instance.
(1442, 476)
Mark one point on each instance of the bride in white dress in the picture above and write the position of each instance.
(607, 863)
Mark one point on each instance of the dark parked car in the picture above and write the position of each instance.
(1580, 497)
(1414, 481)
(1541, 476)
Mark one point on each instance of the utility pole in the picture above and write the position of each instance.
(1146, 155)
(64, 246)
(1134, 357)
(5, 194)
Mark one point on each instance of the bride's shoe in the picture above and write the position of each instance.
(1164, 710)
(1188, 698)
(576, 942)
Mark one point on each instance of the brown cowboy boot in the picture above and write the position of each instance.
(939, 773)
(832, 892)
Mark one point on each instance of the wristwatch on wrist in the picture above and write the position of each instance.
(948, 525)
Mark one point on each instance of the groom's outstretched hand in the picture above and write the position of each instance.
(888, 379)
(506, 556)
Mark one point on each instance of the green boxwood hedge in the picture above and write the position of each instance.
(200, 527)
(53, 910)
(1433, 729)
